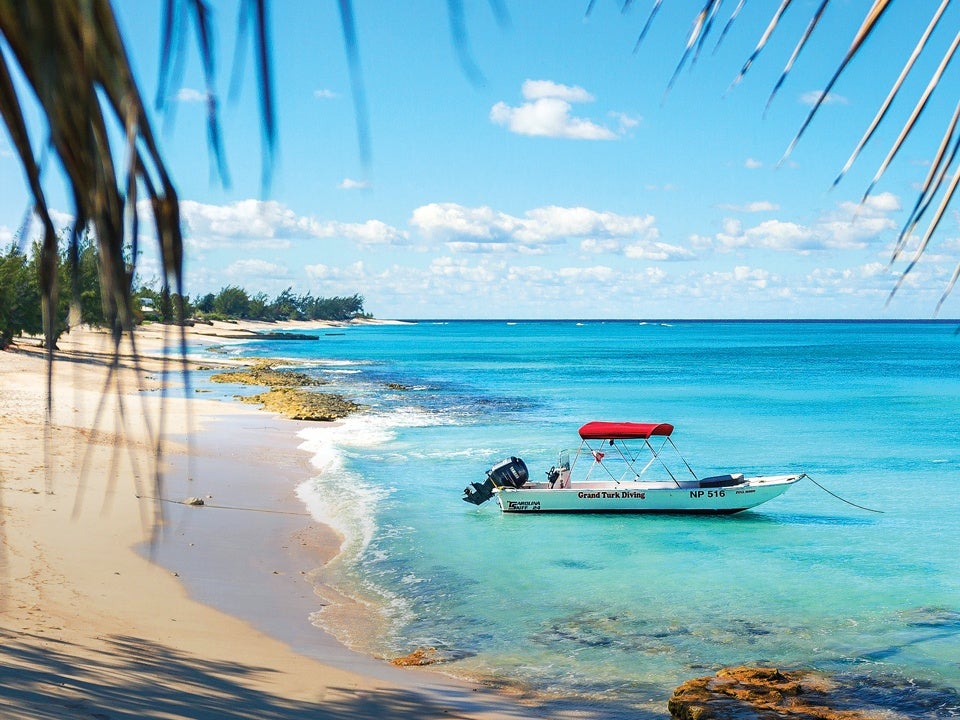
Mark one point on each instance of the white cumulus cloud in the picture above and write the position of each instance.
(351, 184)
(752, 207)
(536, 89)
(547, 112)
(268, 223)
(353, 273)
(813, 96)
(189, 95)
(593, 245)
(848, 226)
(657, 251)
(483, 229)
(254, 268)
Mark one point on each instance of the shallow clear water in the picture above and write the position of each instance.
(627, 607)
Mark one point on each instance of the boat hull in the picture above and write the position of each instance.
(638, 497)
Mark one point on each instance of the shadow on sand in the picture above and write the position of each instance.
(46, 679)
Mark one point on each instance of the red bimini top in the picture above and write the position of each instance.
(623, 430)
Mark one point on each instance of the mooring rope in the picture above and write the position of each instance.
(223, 507)
(838, 497)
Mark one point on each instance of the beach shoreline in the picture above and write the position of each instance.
(95, 608)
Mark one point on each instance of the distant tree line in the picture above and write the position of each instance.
(21, 313)
(235, 303)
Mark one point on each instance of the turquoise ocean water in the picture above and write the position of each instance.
(624, 608)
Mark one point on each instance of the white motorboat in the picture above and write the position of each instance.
(620, 468)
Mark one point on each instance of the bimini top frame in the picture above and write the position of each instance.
(603, 439)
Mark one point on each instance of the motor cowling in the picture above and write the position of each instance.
(511, 472)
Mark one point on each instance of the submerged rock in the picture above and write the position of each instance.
(744, 693)
(429, 656)
(420, 656)
(932, 617)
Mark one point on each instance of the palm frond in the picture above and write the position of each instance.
(947, 151)
(866, 27)
(950, 285)
(811, 26)
(265, 75)
(729, 23)
(771, 26)
(931, 184)
(13, 118)
(915, 115)
(502, 16)
(931, 229)
(348, 26)
(166, 52)
(707, 27)
(700, 26)
(458, 32)
(648, 23)
(255, 14)
(74, 60)
(177, 15)
(881, 113)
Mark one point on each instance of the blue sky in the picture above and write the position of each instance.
(556, 178)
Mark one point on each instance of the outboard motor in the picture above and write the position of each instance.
(511, 472)
(478, 493)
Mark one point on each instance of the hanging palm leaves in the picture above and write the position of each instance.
(73, 58)
(936, 181)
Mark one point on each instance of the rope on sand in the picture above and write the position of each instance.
(199, 502)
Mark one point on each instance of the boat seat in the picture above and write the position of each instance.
(717, 481)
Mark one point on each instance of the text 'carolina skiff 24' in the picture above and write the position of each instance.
(615, 459)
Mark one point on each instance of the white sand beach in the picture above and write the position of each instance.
(90, 627)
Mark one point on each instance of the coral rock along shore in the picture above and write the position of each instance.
(745, 693)
(286, 395)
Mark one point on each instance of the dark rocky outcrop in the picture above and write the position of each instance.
(285, 336)
(745, 693)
